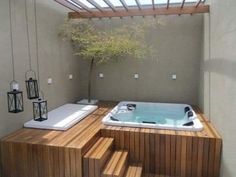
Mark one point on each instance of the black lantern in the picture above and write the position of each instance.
(40, 110)
(31, 86)
(15, 99)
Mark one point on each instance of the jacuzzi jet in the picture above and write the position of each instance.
(147, 122)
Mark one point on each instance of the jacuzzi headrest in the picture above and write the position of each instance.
(190, 114)
(186, 109)
(131, 107)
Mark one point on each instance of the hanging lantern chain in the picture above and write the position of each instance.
(36, 40)
(40, 106)
(11, 36)
(27, 32)
(14, 96)
(31, 82)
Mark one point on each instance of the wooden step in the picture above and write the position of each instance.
(116, 165)
(134, 170)
(154, 175)
(95, 159)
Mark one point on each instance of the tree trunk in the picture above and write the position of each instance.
(90, 79)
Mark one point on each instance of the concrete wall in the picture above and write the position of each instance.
(218, 77)
(178, 45)
(56, 58)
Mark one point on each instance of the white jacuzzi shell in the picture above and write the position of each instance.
(197, 126)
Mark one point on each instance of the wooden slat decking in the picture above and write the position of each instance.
(154, 175)
(45, 153)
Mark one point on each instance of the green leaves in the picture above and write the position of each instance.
(107, 45)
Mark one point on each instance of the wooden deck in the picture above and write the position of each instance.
(44, 153)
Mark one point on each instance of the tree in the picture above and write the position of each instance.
(107, 45)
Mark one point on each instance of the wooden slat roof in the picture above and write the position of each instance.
(96, 9)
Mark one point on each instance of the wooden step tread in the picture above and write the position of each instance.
(155, 175)
(95, 159)
(99, 148)
(134, 170)
(116, 165)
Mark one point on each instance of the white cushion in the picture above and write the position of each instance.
(63, 117)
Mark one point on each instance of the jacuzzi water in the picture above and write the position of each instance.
(153, 115)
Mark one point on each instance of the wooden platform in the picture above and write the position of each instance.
(45, 153)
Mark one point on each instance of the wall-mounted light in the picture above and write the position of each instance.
(70, 76)
(49, 81)
(136, 76)
(173, 76)
(101, 75)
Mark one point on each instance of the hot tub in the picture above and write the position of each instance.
(154, 115)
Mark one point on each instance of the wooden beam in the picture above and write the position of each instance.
(168, 4)
(95, 5)
(110, 5)
(138, 4)
(144, 12)
(182, 5)
(124, 5)
(198, 3)
(153, 4)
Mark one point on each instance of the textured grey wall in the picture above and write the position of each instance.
(218, 77)
(56, 58)
(179, 48)
(178, 45)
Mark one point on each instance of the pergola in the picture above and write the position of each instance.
(130, 8)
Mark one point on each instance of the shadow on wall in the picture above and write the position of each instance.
(225, 68)
(224, 170)
(221, 66)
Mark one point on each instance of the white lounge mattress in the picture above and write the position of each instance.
(63, 117)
